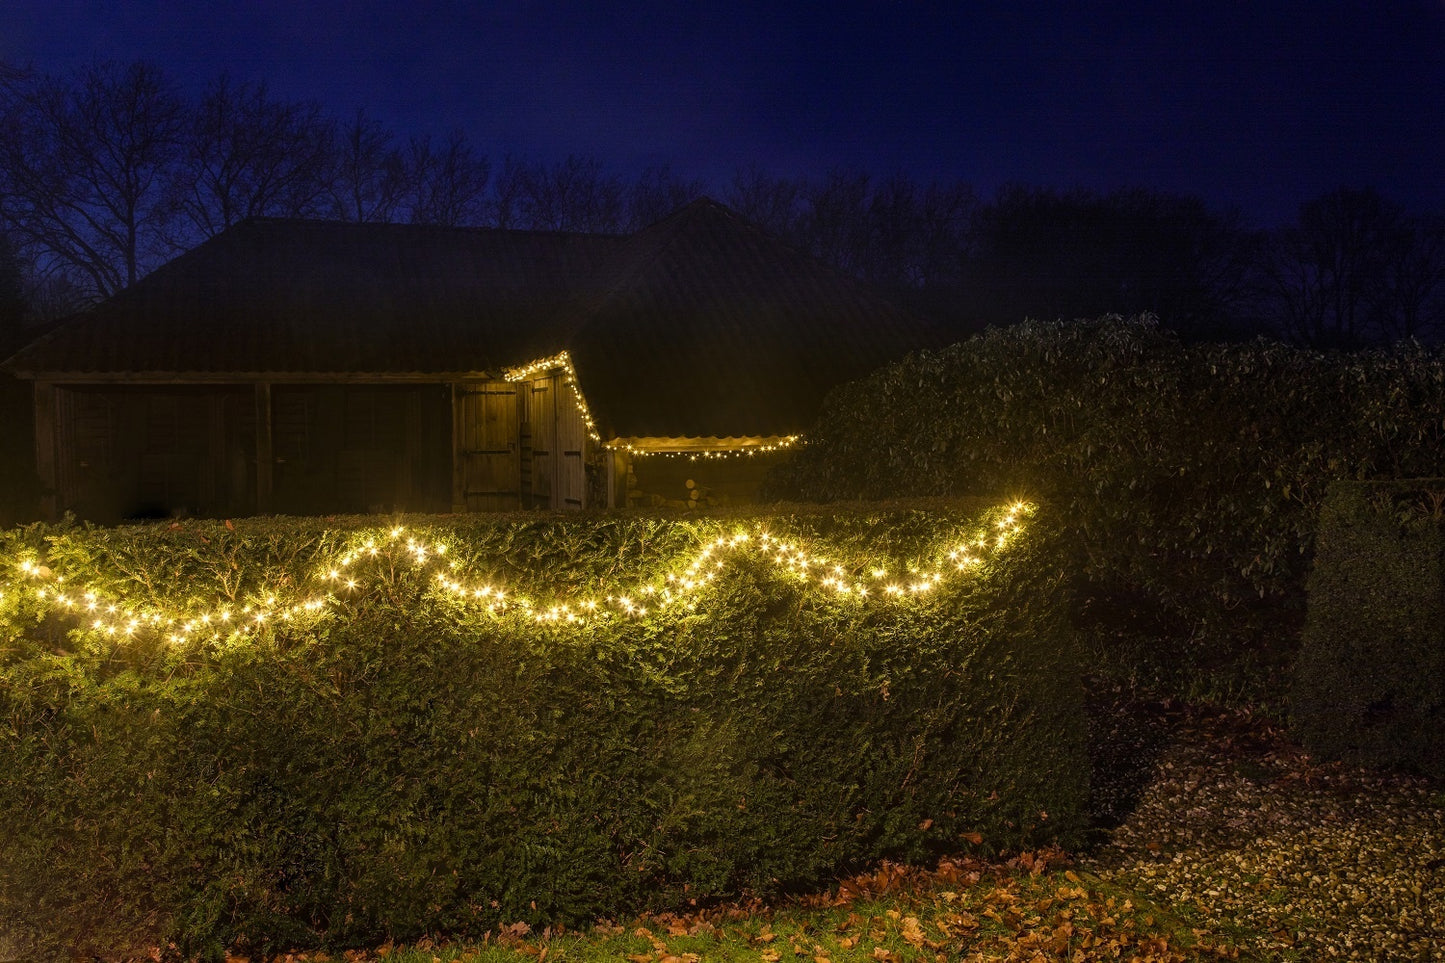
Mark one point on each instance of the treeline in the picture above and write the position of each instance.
(110, 171)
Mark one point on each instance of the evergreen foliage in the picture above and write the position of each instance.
(1370, 684)
(402, 763)
(1188, 477)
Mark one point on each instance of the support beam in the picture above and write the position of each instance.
(459, 471)
(265, 458)
(45, 450)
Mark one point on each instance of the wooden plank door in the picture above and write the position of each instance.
(541, 416)
(488, 462)
(554, 449)
(570, 486)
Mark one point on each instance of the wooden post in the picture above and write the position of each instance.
(265, 458)
(45, 454)
(559, 455)
(459, 472)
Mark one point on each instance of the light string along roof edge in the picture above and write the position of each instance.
(563, 360)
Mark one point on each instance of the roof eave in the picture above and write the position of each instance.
(253, 377)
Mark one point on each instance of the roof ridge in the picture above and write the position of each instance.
(336, 222)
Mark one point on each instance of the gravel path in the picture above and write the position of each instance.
(1240, 828)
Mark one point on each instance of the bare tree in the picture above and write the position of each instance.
(574, 195)
(447, 183)
(776, 204)
(893, 235)
(13, 309)
(56, 295)
(87, 167)
(248, 154)
(945, 212)
(504, 207)
(1415, 280)
(1327, 273)
(367, 179)
(658, 193)
(836, 221)
(1040, 253)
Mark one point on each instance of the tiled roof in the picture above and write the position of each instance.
(700, 325)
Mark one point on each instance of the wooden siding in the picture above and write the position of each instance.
(360, 448)
(554, 445)
(119, 451)
(487, 447)
(154, 452)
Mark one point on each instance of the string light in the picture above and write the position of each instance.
(563, 360)
(745, 450)
(674, 585)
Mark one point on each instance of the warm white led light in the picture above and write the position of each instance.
(672, 585)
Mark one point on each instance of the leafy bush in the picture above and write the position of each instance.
(397, 759)
(1189, 476)
(1370, 684)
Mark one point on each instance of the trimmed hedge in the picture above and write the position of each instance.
(1370, 683)
(1189, 476)
(401, 763)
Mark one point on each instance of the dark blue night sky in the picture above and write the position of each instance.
(1257, 105)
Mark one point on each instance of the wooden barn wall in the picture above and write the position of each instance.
(487, 453)
(154, 451)
(554, 446)
(174, 450)
(361, 448)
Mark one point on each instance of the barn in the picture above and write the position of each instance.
(313, 367)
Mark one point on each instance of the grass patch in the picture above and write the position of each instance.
(1034, 907)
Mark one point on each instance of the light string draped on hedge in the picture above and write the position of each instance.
(116, 616)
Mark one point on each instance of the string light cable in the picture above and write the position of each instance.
(853, 581)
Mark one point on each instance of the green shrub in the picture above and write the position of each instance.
(399, 761)
(1189, 476)
(1370, 683)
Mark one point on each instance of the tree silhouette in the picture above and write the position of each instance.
(1415, 280)
(657, 193)
(575, 194)
(1043, 254)
(13, 309)
(1354, 270)
(446, 183)
(248, 154)
(776, 204)
(88, 170)
(367, 179)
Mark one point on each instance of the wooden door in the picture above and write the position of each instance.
(569, 489)
(541, 435)
(555, 436)
(488, 458)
